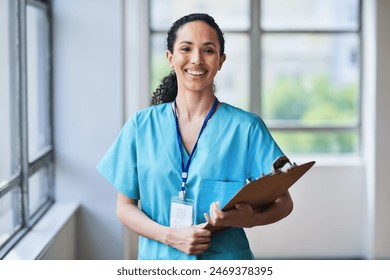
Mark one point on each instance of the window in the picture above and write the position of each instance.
(295, 63)
(26, 142)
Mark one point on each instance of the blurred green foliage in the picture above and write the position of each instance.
(313, 102)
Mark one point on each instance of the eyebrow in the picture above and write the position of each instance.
(204, 44)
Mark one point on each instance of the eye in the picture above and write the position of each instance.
(209, 51)
(185, 49)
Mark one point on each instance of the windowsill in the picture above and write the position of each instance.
(35, 243)
(329, 160)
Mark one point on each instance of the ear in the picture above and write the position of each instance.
(169, 57)
(221, 61)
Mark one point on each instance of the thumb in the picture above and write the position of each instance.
(243, 206)
(200, 226)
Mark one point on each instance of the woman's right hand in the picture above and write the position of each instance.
(194, 240)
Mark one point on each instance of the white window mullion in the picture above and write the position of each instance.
(255, 58)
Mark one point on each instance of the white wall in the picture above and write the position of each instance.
(328, 220)
(341, 207)
(88, 115)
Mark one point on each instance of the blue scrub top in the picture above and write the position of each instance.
(144, 163)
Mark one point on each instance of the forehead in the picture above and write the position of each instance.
(197, 31)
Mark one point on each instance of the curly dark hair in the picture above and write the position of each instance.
(167, 90)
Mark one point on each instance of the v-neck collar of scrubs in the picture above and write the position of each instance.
(207, 141)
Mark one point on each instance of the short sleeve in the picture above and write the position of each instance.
(262, 151)
(119, 164)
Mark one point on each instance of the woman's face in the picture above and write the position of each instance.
(196, 57)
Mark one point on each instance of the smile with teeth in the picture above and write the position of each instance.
(196, 72)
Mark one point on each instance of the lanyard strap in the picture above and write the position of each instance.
(185, 167)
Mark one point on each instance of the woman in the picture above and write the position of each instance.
(186, 155)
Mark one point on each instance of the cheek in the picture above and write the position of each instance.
(178, 59)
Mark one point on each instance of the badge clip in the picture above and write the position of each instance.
(182, 195)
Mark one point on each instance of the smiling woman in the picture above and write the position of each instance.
(175, 157)
(196, 62)
(212, 45)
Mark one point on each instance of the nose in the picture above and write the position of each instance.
(196, 57)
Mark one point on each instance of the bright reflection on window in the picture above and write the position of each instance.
(232, 82)
(37, 81)
(9, 142)
(309, 14)
(229, 14)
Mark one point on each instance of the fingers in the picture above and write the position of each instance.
(199, 231)
(201, 226)
(234, 217)
(202, 240)
(215, 212)
(198, 241)
(244, 207)
(193, 240)
(197, 249)
(198, 235)
(207, 217)
(216, 215)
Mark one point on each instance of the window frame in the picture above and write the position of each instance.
(256, 32)
(293, 127)
(45, 159)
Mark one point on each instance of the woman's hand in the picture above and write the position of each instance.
(243, 215)
(194, 240)
(240, 216)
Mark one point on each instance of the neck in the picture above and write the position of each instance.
(192, 106)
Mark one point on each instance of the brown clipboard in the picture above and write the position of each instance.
(266, 189)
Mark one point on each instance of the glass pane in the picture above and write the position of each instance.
(38, 186)
(9, 140)
(229, 14)
(232, 82)
(159, 64)
(10, 213)
(37, 81)
(312, 80)
(310, 14)
(307, 142)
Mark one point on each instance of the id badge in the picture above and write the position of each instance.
(182, 212)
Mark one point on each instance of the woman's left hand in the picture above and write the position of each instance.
(240, 216)
(243, 215)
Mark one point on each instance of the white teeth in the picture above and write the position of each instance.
(196, 72)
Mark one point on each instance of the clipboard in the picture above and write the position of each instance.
(265, 190)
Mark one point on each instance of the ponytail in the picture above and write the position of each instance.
(166, 91)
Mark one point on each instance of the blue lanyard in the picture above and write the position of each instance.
(185, 167)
